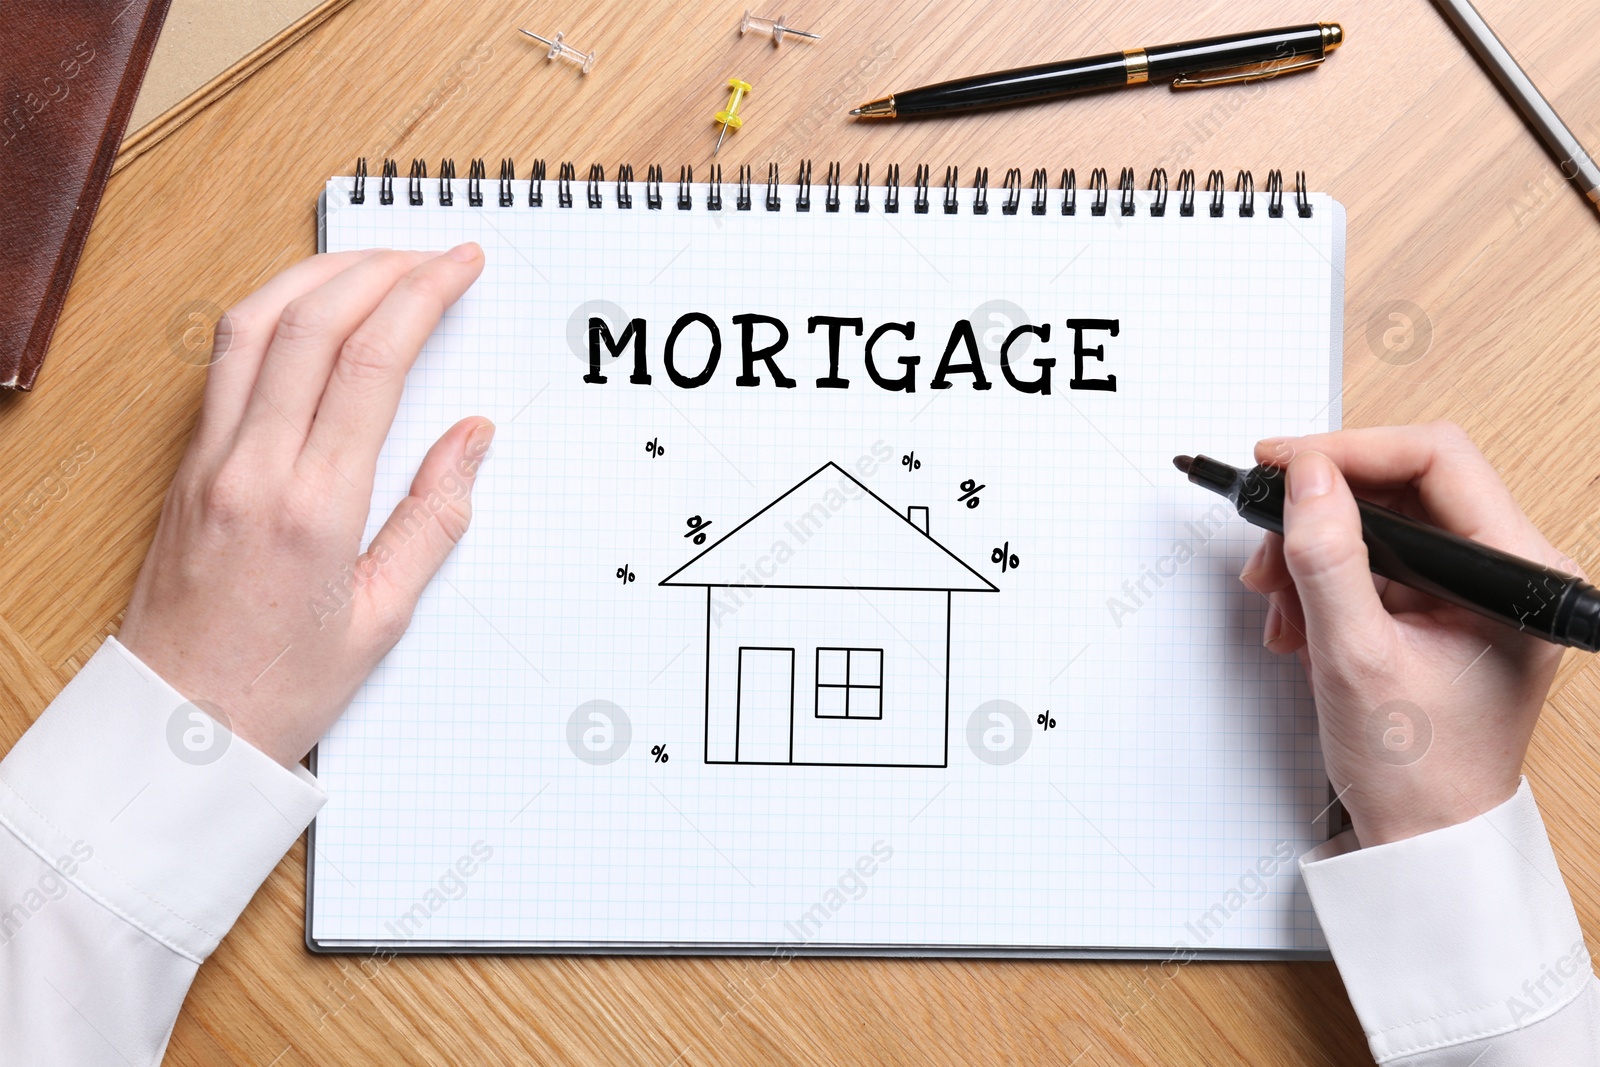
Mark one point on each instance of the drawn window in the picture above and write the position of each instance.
(849, 683)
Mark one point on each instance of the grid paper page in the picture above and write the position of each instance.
(844, 665)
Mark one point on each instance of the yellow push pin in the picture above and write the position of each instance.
(729, 116)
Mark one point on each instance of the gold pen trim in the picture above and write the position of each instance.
(1594, 195)
(1138, 64)
(1251, 73)
(1332, 38)
(876, 109)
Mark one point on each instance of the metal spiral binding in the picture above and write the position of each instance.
(1158, 185)
(447, 183)
(536, 185)
(1102, 191)
(1217, 186)
(1039, 185)
(508, 174)
(1013, 191)
(419, 171)
(564, 180)
(652, 187)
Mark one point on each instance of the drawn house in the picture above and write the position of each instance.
(828, 631)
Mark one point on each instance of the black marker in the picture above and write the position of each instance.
(1494, 584)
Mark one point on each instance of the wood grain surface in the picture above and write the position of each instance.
(1454, 210)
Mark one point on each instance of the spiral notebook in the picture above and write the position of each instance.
(829, 588)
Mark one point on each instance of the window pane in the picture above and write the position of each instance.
(832, 668)
(866, 666)
(866, 703)
(831, 702)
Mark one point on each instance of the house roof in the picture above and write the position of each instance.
(830, 532)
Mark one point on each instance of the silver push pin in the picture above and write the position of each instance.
(772, 26)
(559, 48)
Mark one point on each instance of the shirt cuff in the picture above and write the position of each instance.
(1451, 936)
(149, 805)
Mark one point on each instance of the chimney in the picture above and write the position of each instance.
(918, 518)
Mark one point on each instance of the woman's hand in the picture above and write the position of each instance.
(1425, 709)
(256, 601)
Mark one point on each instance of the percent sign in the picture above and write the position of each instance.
(655, 448)
(1045, 721)
(697, 527)
(910, 462)
(659, 752)
(625, 574)
(969, 492)
(1005, 557)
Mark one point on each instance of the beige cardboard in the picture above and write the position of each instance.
(203, 38)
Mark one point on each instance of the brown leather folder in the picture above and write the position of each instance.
(67, 84)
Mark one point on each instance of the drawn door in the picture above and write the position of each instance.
(766, 706)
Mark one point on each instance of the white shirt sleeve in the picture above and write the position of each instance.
(133, 831)
(1460, 946)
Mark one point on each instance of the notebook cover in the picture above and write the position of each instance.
(67, 86)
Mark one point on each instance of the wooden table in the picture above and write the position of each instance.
(1453, 209)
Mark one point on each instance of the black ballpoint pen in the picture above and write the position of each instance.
(1497, 585)
(1237, 57)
